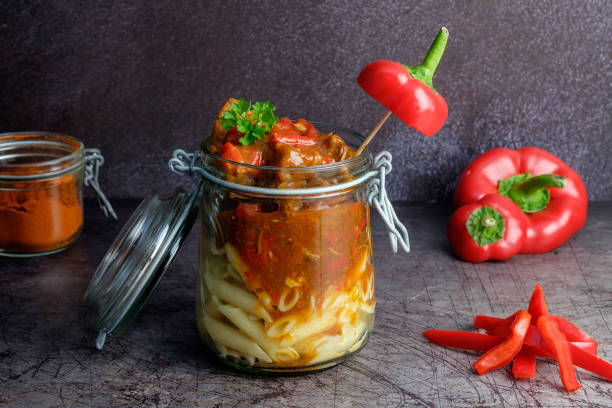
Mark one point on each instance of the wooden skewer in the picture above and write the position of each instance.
(373, 133)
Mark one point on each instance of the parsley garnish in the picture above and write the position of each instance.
(254, 120)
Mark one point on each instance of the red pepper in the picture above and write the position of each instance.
(241, 154)
(495, 326)
(231, 152)
(582, 353)
(558, 345)
(525, 175)
(590, 362)
(296, 140)
(524, 365)
(285, 131)
(518, 337)
(248, 211)
(463, 340)
(504, 352)
(572, 332)
(407, 91)
(492, 228)
(537, 304)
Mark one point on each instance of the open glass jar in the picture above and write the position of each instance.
(41, 189)
(286, 282)
(285, 279)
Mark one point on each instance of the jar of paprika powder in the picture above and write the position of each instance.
(41, 184)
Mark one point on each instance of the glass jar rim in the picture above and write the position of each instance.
(353, 162)
(73, 158)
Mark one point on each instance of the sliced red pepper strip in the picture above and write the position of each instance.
(293, 139)
(497, 326)
(571, 331)
(494, 326)
(533, 342)
(590, 362)
(524, 364)
(588, 346)
(231, 152)
(537, 304)
(558, 345)
(248, 210)
(504, 352)
(463, 340)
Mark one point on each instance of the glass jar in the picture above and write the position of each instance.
(286, 282)
(285, 279)
(41, 192)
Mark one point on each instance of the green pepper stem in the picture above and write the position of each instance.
(434, 54)
(425, 71)
(529, 186)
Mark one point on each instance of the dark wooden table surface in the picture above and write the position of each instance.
(48, 358)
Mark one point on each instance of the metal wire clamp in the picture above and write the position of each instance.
(93, 161)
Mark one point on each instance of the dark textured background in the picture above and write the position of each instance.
(141, 78)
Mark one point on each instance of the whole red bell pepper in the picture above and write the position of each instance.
(550, 193)
(491, 228)
(408, 91)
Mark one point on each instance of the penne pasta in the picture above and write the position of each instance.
(362, 263)
(214, 249)
(265, 299)
(310, 327)
(221, 349)
(348, 314)
(281, 326)
(233, 273)
(234, 295)
(216, 265)
(289, 299)
(212, 307)
(368, 307)
(255, 330)
(234, 258)
(234, 339)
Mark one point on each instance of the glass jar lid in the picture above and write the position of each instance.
(138, 258)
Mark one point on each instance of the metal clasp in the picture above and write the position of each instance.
(377, 198)
(93, 161)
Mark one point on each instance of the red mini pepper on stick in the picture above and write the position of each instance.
(408, 91)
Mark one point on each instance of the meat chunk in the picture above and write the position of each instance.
(219, 134)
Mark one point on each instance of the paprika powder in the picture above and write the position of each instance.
(41, 182)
